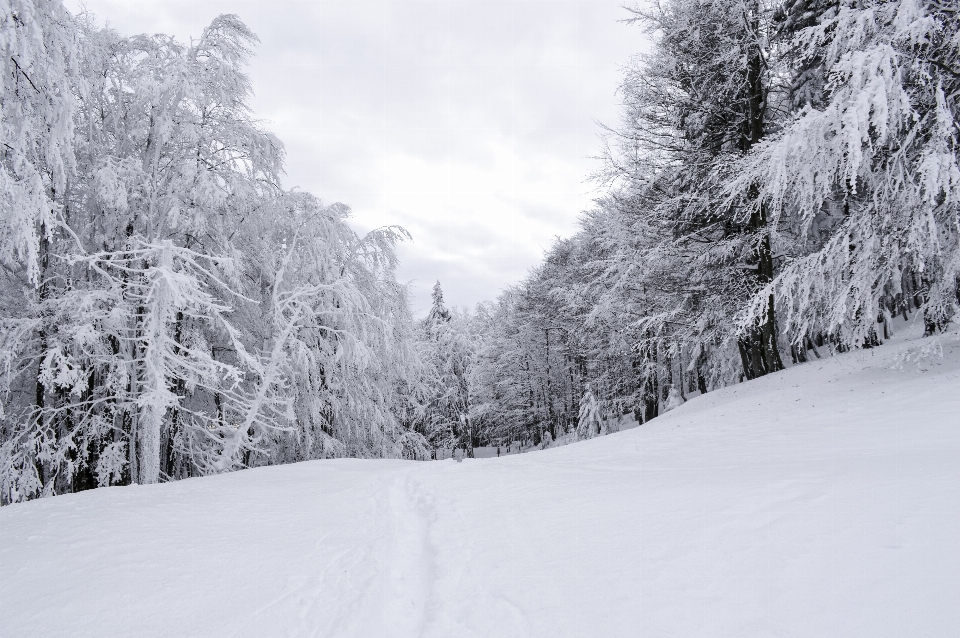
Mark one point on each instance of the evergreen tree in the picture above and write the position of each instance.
(438, 312)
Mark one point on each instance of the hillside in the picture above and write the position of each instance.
(820, 501)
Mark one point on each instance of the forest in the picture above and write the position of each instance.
(783, 185)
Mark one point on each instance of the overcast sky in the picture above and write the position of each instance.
(470, 123)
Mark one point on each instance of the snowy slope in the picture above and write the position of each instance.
(821, 501)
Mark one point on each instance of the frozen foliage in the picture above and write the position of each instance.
(782, 185)
(341, 337)
(448, 342)
(40, 75)
(167, 310)
(590, 423)
(880, 154)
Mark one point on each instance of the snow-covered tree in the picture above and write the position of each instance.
(693, 105)
(867, 176)
(449, 342)
(590, 423)
(39, 80)
(168, 310)
(339, 331)
(438, 311)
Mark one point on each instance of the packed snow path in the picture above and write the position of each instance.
(821, 501)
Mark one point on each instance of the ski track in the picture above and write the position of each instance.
(408, 565)
(431, 582)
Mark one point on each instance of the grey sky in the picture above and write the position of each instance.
(470, 123)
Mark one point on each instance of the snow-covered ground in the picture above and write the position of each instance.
(821, 501)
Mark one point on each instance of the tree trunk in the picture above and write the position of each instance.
(701, 381)
(759, 351)
(39, 389)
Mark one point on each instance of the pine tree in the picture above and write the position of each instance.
(438, 311)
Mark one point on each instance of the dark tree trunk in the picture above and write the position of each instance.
(168, 438)
(701, 382)
(758, 347)
(40, 390)
(742, 345)
(85, 478)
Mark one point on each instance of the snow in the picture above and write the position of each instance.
(820, 501)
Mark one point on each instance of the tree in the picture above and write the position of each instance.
(692, 106)
(450, 342)
(38, 84)
(168, 310)
(438, 311)
(868, 175)
(590, 423)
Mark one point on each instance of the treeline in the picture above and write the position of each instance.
(784, 181)
(168, 310)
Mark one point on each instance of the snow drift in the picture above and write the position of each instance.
(820, 501)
